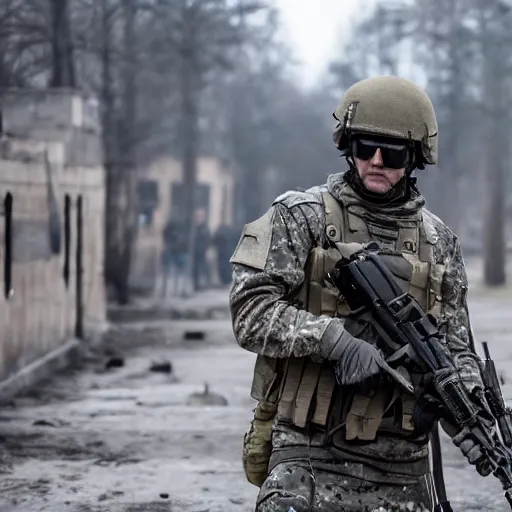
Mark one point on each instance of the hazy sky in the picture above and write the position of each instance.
(317, 28)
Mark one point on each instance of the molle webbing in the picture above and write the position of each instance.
(366, 413)
(308, 387)
(348, 225)
(307, 392)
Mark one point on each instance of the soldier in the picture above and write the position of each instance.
(333, 427)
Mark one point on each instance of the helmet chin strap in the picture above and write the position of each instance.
(401, 192)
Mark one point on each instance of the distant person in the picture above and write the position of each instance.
(224, 241)
(202, 240)
(174, 259)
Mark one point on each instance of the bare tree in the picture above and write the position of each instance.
(446, 47)
(253, 99)
(444, 39)
(119, 100)
(374, 48)
(208, 31)
(495, 24)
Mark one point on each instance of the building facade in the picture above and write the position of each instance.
(161, 197)
(52, 197)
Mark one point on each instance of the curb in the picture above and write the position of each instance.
(128, 315)
(59, 359)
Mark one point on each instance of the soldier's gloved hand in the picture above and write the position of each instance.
(427, 411)
(359, 362)
(470, 448)
(429, 408)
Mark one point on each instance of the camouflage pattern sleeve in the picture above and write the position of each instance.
(265, 319)
(455, 321)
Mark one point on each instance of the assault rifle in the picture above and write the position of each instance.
(369, 286)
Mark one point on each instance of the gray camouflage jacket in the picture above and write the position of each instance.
(267, 324)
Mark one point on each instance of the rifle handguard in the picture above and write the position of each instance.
(452, 392)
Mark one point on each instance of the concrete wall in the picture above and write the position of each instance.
(39, 314)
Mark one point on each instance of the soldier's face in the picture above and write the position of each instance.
(371, 163)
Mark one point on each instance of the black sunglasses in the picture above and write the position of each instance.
(394, 156)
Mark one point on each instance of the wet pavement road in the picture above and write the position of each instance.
(130, 439)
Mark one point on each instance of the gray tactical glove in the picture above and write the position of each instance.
(359, 362)
(429, 408)
(470, 448)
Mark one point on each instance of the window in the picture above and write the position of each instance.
(148, 201)
(79, 326)
(67, 239)
(8, 291)
(178, 198)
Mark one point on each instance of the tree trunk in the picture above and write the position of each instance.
(190, 84)
(189, 140)
(494, 226)
(107, 103)
(497, 150)
(449, 186)
(253, 193)
(115, 198)
(128, 168)
(63, 66)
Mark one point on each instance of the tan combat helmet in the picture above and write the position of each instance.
(388, 106)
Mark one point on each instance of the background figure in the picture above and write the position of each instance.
(224, 241)
(165, 261)
(200, 268)
(174, 259)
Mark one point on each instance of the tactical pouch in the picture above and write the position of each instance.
(258, 443)
(316, 295)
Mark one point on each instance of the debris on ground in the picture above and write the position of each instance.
(206, 397)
